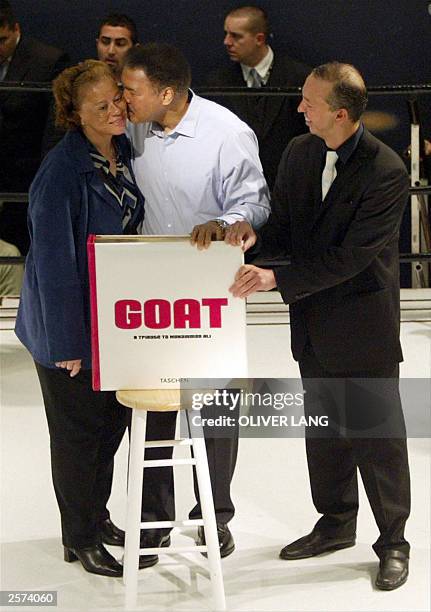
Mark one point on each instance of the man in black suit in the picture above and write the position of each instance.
(23, 114)
(254, 64)
(338, 202)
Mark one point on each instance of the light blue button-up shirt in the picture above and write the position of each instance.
(206, 168)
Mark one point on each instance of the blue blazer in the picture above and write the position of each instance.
(67, 202)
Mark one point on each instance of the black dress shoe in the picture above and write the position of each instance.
(148, 561)
(393, 571)
(94, 559)
(225, 540)
(111, 534)
(314, 544)
(152, 538)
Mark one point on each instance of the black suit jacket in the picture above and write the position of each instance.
(343, 280)
(23, 114)
(274, 119)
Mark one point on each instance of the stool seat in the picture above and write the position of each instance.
(159, 400)
(154, 400)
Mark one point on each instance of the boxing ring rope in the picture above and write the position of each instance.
(380, 90)
(421, 192)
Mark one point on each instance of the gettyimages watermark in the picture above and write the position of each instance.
(291, 408)
(232, 400)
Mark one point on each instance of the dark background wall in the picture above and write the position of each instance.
(388, 40)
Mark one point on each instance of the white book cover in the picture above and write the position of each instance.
(162, 313)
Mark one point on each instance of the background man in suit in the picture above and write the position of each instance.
(340, 226)
(254, 64)
(22, 115)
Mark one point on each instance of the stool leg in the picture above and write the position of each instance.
(208, 513)
(134, 502)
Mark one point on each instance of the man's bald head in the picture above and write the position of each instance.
(348, 90)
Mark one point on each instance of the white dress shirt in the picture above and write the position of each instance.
(263, 69)
(207, 167)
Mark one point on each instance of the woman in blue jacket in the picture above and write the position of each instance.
(84, 186)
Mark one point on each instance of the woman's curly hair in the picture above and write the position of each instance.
(67, 86)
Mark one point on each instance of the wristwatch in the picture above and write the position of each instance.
(221, 223)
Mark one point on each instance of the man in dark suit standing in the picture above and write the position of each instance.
(254, 64)
(338, 202)
(22, 114)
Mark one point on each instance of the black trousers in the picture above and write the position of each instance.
(158, 490)
(85, 428)
(366, 432)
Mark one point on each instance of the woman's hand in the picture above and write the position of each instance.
(74, 365)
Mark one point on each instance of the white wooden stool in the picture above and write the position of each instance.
(166, 400)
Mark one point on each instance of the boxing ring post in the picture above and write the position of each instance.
(417, 268)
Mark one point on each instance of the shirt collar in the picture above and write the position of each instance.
(346, 150)
(187, 125)
(262, 68)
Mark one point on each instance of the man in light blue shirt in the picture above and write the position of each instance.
(198, 167)
(195, 160)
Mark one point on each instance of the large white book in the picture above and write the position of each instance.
(162, 314)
